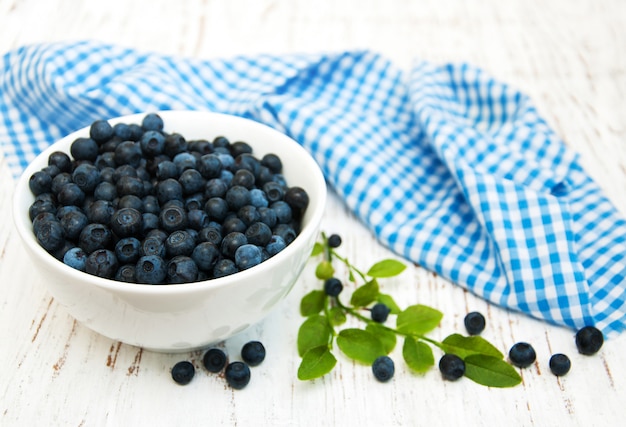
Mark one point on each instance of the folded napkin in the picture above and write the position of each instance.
(448, 167)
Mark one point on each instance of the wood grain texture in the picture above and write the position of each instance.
(568, 55)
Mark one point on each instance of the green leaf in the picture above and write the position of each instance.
(386, 268)
(386, 337)
(465, 346)
(318, 248)
(312, 303)
(337, 316)
(389, 302)
(418, 319)
(491, 371)
(365, 294)
(360, 345)
(417, 355)
(316, 363)
(313, 332)
(324, 270)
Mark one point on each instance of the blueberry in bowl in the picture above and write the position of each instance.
(170, 230)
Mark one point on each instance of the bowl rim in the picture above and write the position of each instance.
(22, 223)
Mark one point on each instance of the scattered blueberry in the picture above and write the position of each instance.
(560, 364)
(333, 287)
(474, 323)
(380, 312)
(383, 368)
(237, 375)
(522, 355)
(334, 240)
(253, 353)
(452, 367)
(183, 372)
(214, 360)
(589, 340)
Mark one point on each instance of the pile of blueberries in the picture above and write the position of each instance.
(236, 373)
(136, 204)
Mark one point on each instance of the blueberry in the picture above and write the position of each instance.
(60, 160)
(333, 287)
(198, 219)
(258, 198)
(175, 143)
(126, 273)
(71, 194)
(237, 375)
(283, 212)
(152, 245)
(100, 211)
(244, 178)
(217, 208)
(50, 235)
(210, 166)
(152, 121)
(127, 222)
(380, 312)
(135, 132)
(214, 360)
(237, 197)
(75, 258)
(247, 256)
(150, 269)
(102, 263)
(560, 364)
(130, 201)
(173, 218)
(151, 204)
(181, 269)
(474, 323)
(191, 182)
(249, 215)
(224, 267)
(253, 353)
(589, 340)
(258, 234)
(183, 372)
(522, 355)
(73, 223)
(105, 191)
(86, 176)
(231, 242)
(128, 250)
(41, 218)
(101, 131)
(285, 231)
(211, 233)
(298, 199)
(41, 206)
(128, 153)
(40, 182)
(233, 224)
(205, 255)
(221, 142)
(132, 185)
(84, 149)
(383, 368)
(184, 161)
(179, 242)
(273, 191)
(105, 160)
(275, 245)
(150, 222)
(166, 169)
(169, 189)
(452, 367)
(122, 131)
(334, 240)
(215, 187)
(272, 162)
(152, 143)
(59, 181)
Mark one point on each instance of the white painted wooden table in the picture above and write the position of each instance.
(568, 55)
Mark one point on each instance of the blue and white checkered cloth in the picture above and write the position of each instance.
(448, 167)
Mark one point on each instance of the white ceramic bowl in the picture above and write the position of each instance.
(182, 317)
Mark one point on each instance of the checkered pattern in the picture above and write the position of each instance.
(448, 167)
